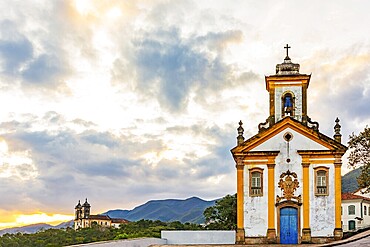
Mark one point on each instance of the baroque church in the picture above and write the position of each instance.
(289, 173)
(83, 218)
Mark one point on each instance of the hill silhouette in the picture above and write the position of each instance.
(349, 181)
(188, 210)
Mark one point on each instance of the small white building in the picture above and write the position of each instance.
(355, 211)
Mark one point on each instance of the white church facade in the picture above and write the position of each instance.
(288, 174)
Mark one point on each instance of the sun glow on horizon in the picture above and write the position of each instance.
(26, 219)
(19, 219)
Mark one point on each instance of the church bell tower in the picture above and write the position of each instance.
(288, 94)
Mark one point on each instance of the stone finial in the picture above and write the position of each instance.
(240, 138)
(337, 135)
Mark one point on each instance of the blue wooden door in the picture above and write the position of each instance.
(288, 225)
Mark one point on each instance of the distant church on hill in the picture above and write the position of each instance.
(83, 218)
(288, 174)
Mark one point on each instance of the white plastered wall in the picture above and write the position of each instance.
(322, 208)
(255, 208)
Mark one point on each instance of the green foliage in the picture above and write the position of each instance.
(360, 156)
(64, 237)
(222, 216)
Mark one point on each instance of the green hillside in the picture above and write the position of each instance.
(189, 210)
(349, 181)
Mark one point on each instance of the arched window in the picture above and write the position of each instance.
(256, 182)
(351, 210)
(321, 178)
(288, 104)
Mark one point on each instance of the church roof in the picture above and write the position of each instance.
(99, 217)
(294, 124)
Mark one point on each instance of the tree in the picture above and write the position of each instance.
(360, 156)
(222, 216)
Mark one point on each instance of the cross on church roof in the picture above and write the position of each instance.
(287, 47)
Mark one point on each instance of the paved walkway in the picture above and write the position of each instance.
(349, 240)
(336, 243)
(156, 243)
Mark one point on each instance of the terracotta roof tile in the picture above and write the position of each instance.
(350, 196)
(114, 220)
(99, 217)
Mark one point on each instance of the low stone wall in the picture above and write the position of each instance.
(139, 242)
(199, 237)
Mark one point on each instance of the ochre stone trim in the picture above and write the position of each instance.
(240, 197)
(306, 196)
(240, 236)
(275, 81)
(306, 235)
(271, 235)
(338, 201)
(271, 199)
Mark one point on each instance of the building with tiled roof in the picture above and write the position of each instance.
(355, 211)
(84, 219)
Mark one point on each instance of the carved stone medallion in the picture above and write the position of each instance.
(288, 186)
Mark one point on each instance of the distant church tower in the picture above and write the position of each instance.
(288, 174)
(82, 215)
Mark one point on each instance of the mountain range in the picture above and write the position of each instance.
(36, 227)
(188, 210)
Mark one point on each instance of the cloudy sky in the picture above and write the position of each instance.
(127, 101)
